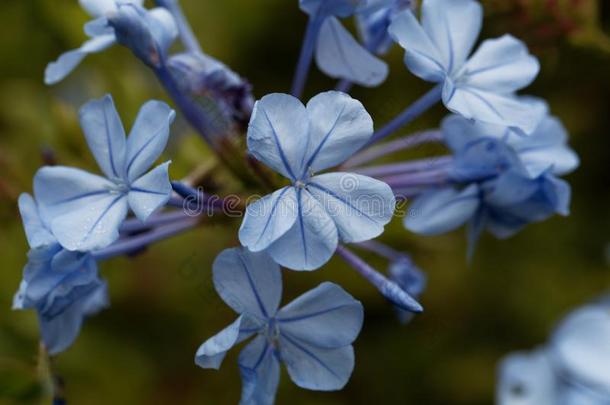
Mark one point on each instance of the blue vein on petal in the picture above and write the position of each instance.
(258, 298)
(310, 354)
(311, 315)
(322, 143)
(435, 62)
(135, 156)
(332, 194)
(99, 219)
(261, 357)
(77, 197)
(451, 55)
(271, 214)
(143, 190)
(108, 139)
(487, 103)
(279, 147)
(300, 205)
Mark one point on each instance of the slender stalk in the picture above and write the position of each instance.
(135, 225)
(414, 166)
(186, 33)
(136, 243)
(386, 287)
(407, 142)
(380, 249)
(344, 86)
(302, 70)
(430, 178)
(409, 114)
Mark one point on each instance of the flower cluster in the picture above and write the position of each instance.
(572, 369)
(507, 152)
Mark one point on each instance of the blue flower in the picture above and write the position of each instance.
(83, 210)
(571, 369)
(151, 32)
(410, 279)
(337, 8)
(480, 87)
(312, 335)
(300, 225)
(62, 286)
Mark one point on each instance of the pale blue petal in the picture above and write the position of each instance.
(83, 211)
(490, 107)
(148, 137)
(326, 316)
(502, 65)
(339, 127)
(98, 27)
(439, 211)
(526, 379)
(36, 231)
(100, 8)
(250, 283)
(454, 26)
(545, 148)
(150, 192)
(278, 133)
(359, 205)
(458, 132)
(339, 8)
(268, 219)
(212, 352)
(163, 27)
(105, 136)
(484, 158)
(66, 63)
(422, 56)
(316, 368)
(311, 241)
(580, 348)
(260, 373)
(340, 56)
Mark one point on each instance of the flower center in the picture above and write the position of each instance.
(272, 333)
(118, 187)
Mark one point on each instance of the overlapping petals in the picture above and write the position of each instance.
(301, 225)
(83, 210)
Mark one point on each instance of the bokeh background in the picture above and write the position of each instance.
(140, 351)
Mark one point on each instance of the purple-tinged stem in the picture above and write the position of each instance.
(186, 33)
(386, 287)
(135, 225)
(430, 178)
(139, 242)
(409, 114)
(407, 142)
(309, 41)
(344, 86)
(411, 167)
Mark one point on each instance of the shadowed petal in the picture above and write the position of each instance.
(359, 205)
(250, 283)
(150, 192)
(67, 62)
(148, 137)
(105, 135)
(260, 373)
(339, 8)
(278, 133)
(326, 316)
(340, 56)
(339, 126)
(268, 219)
(527, 379)
(36, 230)
(442, 210)
(311, 241)
(315, 368)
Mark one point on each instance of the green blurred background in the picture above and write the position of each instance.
(140, 351)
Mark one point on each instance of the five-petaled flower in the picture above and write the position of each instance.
(480, 87)
(312, 335)
(83, 210)
(300, 225)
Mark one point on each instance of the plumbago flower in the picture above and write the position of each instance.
(312, 335)
(480, 87)
(571, 369)
(505, 180)
(83, 210)
(374, 23)
(300, 225)
(147, 33)
(62, 286)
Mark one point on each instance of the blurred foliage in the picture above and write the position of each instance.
(140, 351)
